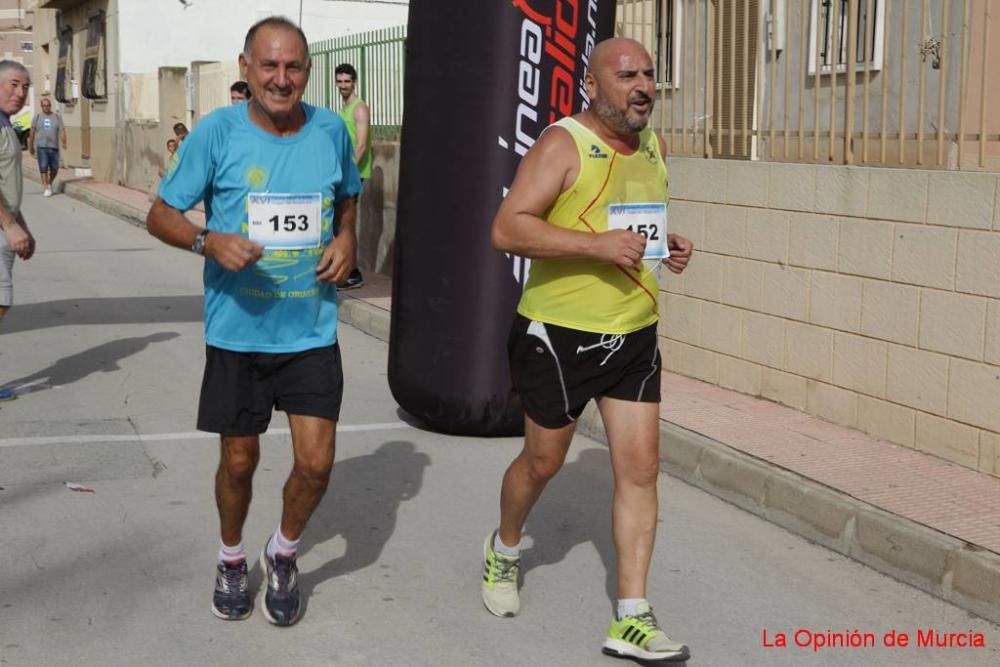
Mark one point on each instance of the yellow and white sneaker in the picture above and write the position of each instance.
(500, 581)
(640, 638)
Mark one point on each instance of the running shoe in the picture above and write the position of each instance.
(354, 281)
(231, 601)
(281, 601)
(640, 638)
(500, 581)
(7, 394)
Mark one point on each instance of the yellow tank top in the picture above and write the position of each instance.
(588, 294)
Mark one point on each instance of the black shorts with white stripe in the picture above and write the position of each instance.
(556, 370)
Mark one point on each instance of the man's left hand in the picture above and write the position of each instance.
(338, 260)
(680, 253)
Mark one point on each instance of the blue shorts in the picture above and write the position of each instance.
(48, 159)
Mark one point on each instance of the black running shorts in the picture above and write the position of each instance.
(556, 370)
(240, 389)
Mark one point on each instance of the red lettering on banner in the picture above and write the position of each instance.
(564, 59)
(562, 93)
(537, 17)
(562, 24)
(566, 43)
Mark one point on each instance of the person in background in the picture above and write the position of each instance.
(357, 116)
(239, 92)
(181, 132)
(46, 131)
(168, 158)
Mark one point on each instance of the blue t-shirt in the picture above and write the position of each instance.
(276, 305)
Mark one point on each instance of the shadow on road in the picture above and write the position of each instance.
(117, 310)
(101, 359)
(574, 509)
(361, 507)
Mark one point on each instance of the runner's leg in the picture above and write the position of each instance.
(234, 484)
(541, 458)
(634, 437)
(313, 445)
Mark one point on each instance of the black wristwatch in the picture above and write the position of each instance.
(199, 242)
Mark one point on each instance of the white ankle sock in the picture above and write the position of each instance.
(279, 542)
(229, 554)
(503, 549)
(628, 606)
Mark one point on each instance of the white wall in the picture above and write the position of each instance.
(166, 34)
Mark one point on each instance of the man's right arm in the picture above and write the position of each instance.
(519, 228)
(231, 251)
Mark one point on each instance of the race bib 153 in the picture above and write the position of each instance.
(285, 221)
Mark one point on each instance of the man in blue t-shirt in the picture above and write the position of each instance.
(277, 177)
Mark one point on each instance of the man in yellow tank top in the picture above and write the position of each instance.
(588, 206)
(356, 114)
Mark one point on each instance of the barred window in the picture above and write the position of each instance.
(94, 62)
(829, 27)
(668, 42)
(64, 91)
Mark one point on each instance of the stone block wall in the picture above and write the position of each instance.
(866, 296)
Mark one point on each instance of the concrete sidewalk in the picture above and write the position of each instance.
(915, 517)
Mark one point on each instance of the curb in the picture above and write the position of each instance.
(75, 190)
(129, 214)
(948, 568)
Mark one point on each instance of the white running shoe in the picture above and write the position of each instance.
(641, 638)
(47, 193)
(500, 581)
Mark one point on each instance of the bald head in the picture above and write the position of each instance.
(621, 84)
(609, 52)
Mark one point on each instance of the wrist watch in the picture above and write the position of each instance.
(198, 246)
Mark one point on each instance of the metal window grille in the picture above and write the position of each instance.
(665, 43)
(380, 57)
(833, 41)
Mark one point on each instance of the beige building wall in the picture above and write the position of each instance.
(90, 124)
(16, 41)
(866, 296)
(141, 93)
(214, 80)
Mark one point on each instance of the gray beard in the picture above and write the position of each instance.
(617, 119)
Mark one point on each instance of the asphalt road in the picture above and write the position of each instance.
(105, 344)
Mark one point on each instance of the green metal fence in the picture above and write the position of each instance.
(379, 57)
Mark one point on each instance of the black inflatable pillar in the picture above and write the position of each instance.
(483, 79)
